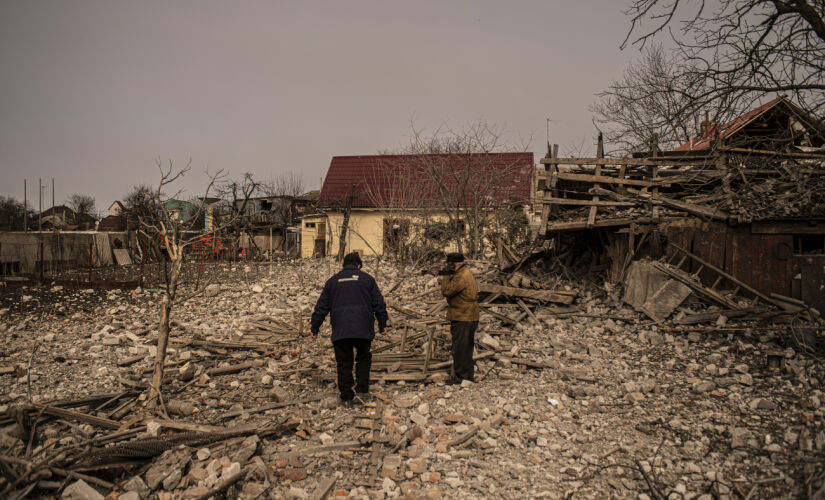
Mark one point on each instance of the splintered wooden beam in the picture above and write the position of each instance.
(576, 225)
(553, 174)
(691, 208)
(223, 370)
(591, 217)
(544, 295)
(588, 203)
(665, 160)
(604, 179)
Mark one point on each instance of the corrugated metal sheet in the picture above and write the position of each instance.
(415, 180)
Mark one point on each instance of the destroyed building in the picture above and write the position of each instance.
(741, 207)
(272, 223)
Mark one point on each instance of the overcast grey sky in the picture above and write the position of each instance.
(92, 92)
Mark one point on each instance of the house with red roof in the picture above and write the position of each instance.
(397, 200)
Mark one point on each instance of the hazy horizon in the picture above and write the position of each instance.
(92, 93)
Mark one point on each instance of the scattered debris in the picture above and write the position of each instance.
(571, 389)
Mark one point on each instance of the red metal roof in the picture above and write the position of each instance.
(704, 141)
(408, 181)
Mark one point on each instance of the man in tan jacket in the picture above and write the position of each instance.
(459, 288)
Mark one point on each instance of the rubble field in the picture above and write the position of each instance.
(589, 399)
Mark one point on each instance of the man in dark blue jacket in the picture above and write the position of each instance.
(354, 302)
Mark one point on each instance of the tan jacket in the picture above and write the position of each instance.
(461, 292)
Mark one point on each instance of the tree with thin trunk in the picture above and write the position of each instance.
(236, 195)
(657, 96)
(342, 240)
(82, 204)
(175, 232)
(468, 179)
(742, 51)
(13, 214)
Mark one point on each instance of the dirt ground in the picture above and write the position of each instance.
(595, 402)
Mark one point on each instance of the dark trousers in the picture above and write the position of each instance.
(463, 336)
(363, 360)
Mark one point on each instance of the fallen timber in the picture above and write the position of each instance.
(559, 297)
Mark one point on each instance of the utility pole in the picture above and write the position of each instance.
(39, 204)
(25, 209)
(52, 194)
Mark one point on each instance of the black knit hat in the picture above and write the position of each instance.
(455, 257)
(352, 259)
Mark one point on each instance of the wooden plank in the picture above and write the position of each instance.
(697, 287)
(324, 489)
(788, 227)
(122, 256)
(485, 308)
(713, 315)
(524, 362)
(591, 217)
(398, 376)
(588, 203)
(76, 415)
(753, 291)
(553, 171)
(528, 311)
(273, 406)
(604, 179)
(544, 295)
(622, 161)
(188, 426)
(774, 154)
(576, 225)
(222, 370)
(691, 208)
(665, 300)
(653, 172)
(132, 360)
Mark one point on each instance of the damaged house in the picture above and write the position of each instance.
(412, 204)
(272, 223)
(736, 216)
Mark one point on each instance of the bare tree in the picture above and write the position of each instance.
(741, 50)
(140, 201)
(82, 204)
(235, 196)
(13, 214)
(398, 191)
(657, 96)
(176, 232)
(467, 178)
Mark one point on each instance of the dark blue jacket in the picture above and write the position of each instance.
(354, 302)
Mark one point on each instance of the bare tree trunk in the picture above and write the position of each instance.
(475, 248)
(342, 242)
(167, 300)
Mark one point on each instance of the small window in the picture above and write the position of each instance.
(809, 244)
(310, 225)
